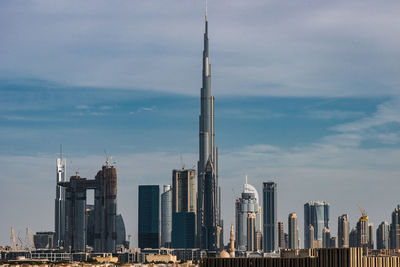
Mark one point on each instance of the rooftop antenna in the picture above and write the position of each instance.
(206, 8)
(61, 152)
(107, 161)
(246, 178)
(182, 163)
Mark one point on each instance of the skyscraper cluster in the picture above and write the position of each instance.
(77, 224)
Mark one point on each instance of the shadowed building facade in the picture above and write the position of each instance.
(149, 203)
(315, 214)
(269, 216)
(343, 231)
(293, 231)
(184, 207)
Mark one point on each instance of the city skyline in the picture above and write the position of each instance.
(367, 129)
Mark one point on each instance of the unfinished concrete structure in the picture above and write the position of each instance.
(105, 209)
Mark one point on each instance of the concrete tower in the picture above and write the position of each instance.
(105, 203)
(209, 221)
(59, 203)
(343, 231)
(293, 231)
(232, 242)
(382, 236)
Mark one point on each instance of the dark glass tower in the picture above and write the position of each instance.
(149, 205)
(209, 221)
(270, 216)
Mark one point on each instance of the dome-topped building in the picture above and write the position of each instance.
(248, 218)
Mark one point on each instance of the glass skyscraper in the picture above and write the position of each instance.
(317, 215)
(269, 216)
(149, 208)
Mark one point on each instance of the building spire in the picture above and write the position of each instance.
(206, 10)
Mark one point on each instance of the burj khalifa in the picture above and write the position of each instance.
(209, 223)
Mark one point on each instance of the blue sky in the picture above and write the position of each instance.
(307, 94)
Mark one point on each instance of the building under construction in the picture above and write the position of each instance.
(105, 209)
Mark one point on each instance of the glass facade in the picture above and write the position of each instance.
(149, 205)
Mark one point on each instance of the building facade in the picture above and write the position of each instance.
(293, 231)
(166, 217)
(209, 221)
(269, 216)
(395, 229)
(343, 231)
(149, 204)
(281, 235)
(59, 202)
(383, 236)
(246, 205)
(317, 215)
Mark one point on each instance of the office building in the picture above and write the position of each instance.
(247, 204)
(44, 240)
(251, 232)
(281, 235)
(395, 229)
(317, 215)
(183, 229)
(59, 210)
(343, 231)
(209, 221)
(269, 216)
(353, 238)
(293, 231)
(363, 232)
(326, 238)
(149, 205)
(166, 217)
(370, 236)
(105, 228)
(333, 243)
(184, 193)
(383, 236)
(105, 208)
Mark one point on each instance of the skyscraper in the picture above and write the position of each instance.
(184, 191)
(326, 237)
(184, 208)
(293, 231)
(343, 231)
(59, 209)
(166, 216)
(251, 231)
(317, 215)
(245, 205)
(395, 229)
(149, 205)
(269, 216)
(382, 236)
(208, 204)
(363, 233)
(281, 235)
(371, 236)
(105, 229)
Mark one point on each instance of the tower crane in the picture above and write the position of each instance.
(363, 213)
(13, 239)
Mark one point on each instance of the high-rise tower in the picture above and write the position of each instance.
(59, 208)
(209, 221)
(270, 216)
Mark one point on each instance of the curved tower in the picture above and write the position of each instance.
(208, 204)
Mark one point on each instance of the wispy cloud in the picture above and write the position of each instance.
(334, 114)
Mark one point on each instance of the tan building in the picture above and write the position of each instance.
(184, 194)
(161, 258)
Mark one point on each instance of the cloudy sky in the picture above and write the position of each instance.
(307, 95)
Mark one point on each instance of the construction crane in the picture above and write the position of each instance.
(364, 216)
(29, 243)
(13, 239)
